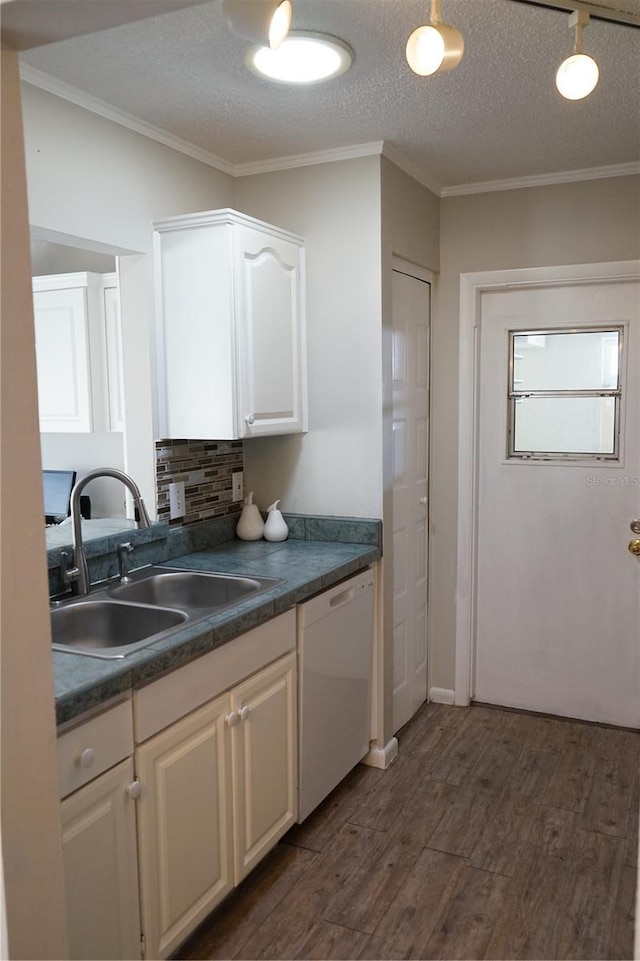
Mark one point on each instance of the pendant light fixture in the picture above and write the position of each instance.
(435, 47)
(578, 75)
(265, 22)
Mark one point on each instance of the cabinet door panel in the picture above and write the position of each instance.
(271, 348)
(265, 762)
(62, 348)
(100, 866)
(184, 822)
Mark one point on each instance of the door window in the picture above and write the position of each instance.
(565, 390)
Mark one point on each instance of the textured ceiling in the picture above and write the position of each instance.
(497, 116)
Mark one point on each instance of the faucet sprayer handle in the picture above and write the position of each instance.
(123, 561)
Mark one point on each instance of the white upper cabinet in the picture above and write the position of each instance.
(78, 352)
(231, 331)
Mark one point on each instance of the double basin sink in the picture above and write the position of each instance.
(123, 617)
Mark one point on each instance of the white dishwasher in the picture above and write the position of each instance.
(335, 652)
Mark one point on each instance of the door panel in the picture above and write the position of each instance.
(100, 866)
(265, 762)
(410, 431)
(558, 593)
(184, 825)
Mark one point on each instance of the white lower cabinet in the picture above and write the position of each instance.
(155, 836)
(184, 823)
(100, 867)
(265, 762)
(218, 789)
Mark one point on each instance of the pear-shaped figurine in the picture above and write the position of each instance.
(250, 527)
(275, 528)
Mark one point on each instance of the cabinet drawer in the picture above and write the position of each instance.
(173, 696)
(90, 748)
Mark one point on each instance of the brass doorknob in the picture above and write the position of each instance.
(634, 547)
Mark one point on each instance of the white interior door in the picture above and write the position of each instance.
(558, 592)
(410, 371)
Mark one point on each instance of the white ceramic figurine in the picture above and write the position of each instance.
(275, 528)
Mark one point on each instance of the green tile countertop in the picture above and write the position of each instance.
(305, 567)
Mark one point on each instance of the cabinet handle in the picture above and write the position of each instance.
(87, 758)
(231, 719)
(244, 712)
(250, 419)
(134, 790)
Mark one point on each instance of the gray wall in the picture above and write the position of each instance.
(32, 882)
(101, 185)
(337, 467)
(588, 222)
(48, 258)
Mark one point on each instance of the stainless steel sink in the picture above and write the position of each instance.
(118, 619)
(190, 591)
(108, 629)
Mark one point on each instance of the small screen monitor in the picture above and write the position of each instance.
(57, 486)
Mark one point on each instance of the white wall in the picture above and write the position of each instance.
(587, 222)
(84, 453)
(30, 818)
(90, 179)
(337, 467)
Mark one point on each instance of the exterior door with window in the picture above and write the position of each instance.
(558, 592)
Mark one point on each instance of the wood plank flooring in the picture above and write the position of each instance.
(495, 834)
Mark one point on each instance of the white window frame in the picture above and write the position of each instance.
(514, 394)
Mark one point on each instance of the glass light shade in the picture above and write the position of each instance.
(577, 76)
(433, 48)
(280, 23)
(261, 21)
(302, 58)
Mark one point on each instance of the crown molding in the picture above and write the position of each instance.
(45, 81)
(543, 180)
(59, 88)
(374, 148)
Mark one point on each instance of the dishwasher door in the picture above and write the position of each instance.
(335, 651)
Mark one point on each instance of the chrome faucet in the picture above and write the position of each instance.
(78, 575)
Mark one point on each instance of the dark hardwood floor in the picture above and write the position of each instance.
(495, 834)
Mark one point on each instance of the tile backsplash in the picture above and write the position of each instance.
(206, 467)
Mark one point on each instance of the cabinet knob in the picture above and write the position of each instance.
(244, 712)
(134, 790)
(250, 419)
(87, 758)
(422, 500)
(231, 719)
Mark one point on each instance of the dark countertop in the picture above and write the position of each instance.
(305, 567)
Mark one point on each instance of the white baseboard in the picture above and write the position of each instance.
(442, 695)
(382, 757)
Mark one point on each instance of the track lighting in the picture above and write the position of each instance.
(265, 22)
(435, 47)
(578, 75)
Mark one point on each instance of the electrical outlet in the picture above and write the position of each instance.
(237, 486)
(177, 507)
